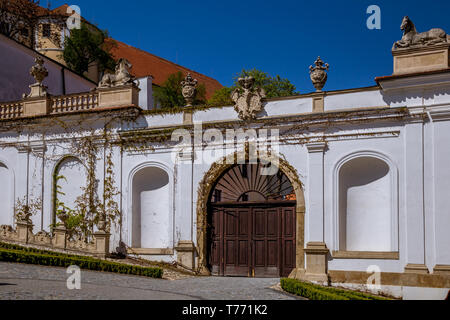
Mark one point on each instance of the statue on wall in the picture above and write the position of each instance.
(413, 39)
(121, 77)
(248, 98)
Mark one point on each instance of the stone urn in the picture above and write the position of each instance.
(38, 71)
(188, 89)
(318, 74)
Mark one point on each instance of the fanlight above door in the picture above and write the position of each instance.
(247, 183)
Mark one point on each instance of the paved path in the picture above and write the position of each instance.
(19, 281)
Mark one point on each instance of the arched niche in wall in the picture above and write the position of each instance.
(151, 203)
(70, 175)
(366, 204)
(6, 195)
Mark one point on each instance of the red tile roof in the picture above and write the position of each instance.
(147, 64)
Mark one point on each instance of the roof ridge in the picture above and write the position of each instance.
(165, 60)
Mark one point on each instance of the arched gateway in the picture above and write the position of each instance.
(249, 223)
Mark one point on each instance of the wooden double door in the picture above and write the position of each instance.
(252, 240)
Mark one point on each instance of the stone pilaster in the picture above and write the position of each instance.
(316, 249)
(186, 254)
(318, 102)
(60, 238)
(37, 106)
(414, 202)
(24, 231)
(101, 240)
(316, 262)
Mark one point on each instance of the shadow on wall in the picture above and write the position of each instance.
(151, 196)
(365, 205)
(401, 97)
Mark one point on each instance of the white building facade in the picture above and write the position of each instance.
(363, 184)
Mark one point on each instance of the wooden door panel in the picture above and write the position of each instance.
(272, 253)
(247, 241)
(259, 219)
(288, 235)
(237, 239)
(272, 223)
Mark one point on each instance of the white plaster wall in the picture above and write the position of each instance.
(146, 93)
(442, 191)
(151, 196)
(75, 178)
(365, 99)
(389, 149)
(6, 193)
(15, 64)
(365, 205)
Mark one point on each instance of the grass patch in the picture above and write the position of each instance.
(315, 292)
(17, 254)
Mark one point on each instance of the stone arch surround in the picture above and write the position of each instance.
(205, 188)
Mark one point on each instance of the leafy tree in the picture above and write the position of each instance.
(274, 86)
(221, 97)
(85, 47)
(170, 95)
(17, 16)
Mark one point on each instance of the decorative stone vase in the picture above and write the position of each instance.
(188, 89)
(102, 224)
(38, 71)
(318, 74)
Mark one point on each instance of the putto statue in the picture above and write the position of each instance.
(413, 39)
(121, 77)
(189, 84)
(248, 98)
(318, 74)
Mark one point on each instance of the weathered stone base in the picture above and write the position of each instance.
(423, 59)
(118, 96)
(99, 247)
(416, 268)
(316, 262)
(186, 254)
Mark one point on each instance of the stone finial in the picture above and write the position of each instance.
(24, 217)
(248, 98)
(102, 224)
(413, 39)
(39, 73)
(319, 74)
(188, 89)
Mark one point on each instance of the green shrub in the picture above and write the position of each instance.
(55, 260)
(33, 250)
(315, 292)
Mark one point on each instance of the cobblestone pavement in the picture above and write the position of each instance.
(19, 281)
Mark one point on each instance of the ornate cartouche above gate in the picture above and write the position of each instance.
(248, 98)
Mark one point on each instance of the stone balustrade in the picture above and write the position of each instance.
(99, 247)
(103, 98)
(11, 110)
(74, 103)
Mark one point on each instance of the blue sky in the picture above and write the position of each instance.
(220, 38)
